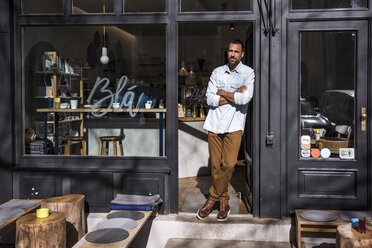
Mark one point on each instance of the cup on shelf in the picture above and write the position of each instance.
(57, 103)
(116, 105)
(148, 104)
(74, 104)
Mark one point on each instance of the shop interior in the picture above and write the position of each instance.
(202, 48)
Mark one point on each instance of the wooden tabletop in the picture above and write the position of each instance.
(100, 110)
(83, 243)
(334, 223)
(10, 223)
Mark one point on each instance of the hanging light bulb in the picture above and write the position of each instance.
(232, 27)
(182, 71)
(104, 58)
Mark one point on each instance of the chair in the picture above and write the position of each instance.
(335, 143)
(109, 139)
(80, 139)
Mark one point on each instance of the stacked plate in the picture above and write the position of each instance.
(115, 228)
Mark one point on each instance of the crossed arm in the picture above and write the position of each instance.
(228, 97)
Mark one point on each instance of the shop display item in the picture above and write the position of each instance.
(325, 153)
(134, 215)
(305, 142)
(305, 153)
(107, 235)
(123, 223)
(315, 153)
(318, 215)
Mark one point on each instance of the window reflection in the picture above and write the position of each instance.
(328, 4)
(42, 6)
(327, 91)
(144, 6)
(72, 99)
(211, 5)
(97, 6)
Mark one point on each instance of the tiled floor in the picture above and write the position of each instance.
(201, 184)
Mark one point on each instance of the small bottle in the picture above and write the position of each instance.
(362, 225)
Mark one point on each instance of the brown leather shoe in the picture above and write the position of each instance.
(205, 210)
(224, 211)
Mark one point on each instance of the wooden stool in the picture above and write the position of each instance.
(348, 237)
(108, 139)
(45, 232)
(75, 138)
(73, 207)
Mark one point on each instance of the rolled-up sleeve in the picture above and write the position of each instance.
(212, 99)
(246, 96)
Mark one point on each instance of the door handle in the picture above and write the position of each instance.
(363, 122)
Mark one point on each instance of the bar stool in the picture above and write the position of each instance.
(80, 139)
(109, 139)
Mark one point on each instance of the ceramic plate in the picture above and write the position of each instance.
(134, 215)
(348, 215)
(19, 204)
(123, 223)
(106, 236)
(319, 216)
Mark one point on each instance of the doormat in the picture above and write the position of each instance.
(195, 201)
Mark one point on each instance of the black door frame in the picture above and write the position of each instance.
(299, 170)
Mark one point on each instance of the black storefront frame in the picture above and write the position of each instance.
(55, 164)
(268, 200)
(310, 16)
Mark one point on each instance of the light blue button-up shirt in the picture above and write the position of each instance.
(229, 117)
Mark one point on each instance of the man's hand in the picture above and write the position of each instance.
(242, 89)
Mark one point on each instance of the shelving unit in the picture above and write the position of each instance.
(74, 83)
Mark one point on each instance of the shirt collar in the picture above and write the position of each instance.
(237, 68)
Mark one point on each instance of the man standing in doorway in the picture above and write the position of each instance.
(229, 91)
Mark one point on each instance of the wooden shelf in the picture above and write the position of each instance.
(63, 121)
(56, 73)
(61, 97)
(100, 110)
(190, 119)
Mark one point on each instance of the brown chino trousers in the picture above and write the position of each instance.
(223, 153)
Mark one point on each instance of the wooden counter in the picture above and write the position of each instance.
(186, 119)
(100, 110)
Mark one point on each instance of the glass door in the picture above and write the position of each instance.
(326, 115)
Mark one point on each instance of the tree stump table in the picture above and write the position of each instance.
(348, 237)
(73, 207)
(49, 232)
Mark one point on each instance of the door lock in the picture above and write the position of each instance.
(363, 121)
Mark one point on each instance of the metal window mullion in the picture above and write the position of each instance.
(118, 7)
(67, 7)
(92, 20)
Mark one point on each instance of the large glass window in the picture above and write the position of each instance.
(328, 67)
(328, 4)
(212, 5)
(97, 6)
(89, 86)
(42, 6)
(144, 6)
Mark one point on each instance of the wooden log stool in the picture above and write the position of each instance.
(73, 207)
(109, 139)
(80, 139)
(348, 237)
(33, 232)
